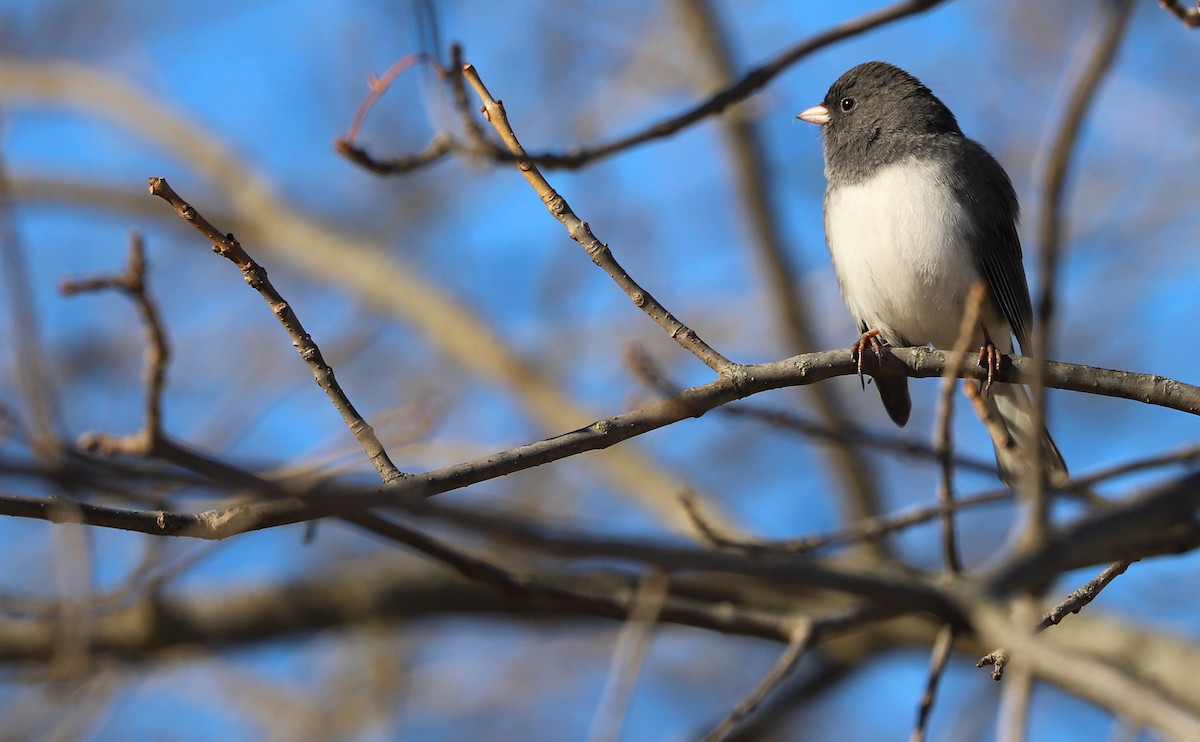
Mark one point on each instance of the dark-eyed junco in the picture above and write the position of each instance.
(915, 214)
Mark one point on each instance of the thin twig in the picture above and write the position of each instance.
(852, 435)
(134, 283)
(256, 276)
(582, 233)
(942, 439)
(476, 139)
(987, 414)
(937, 665)
(1053, 180)
(864, 530)
(1097, 678)
(738, 90)
(30, 369)
(1015, 696)
(632, 643)
(799, 641)
(1189, 16)
(1185, 455)
(1075, 602)
(741, 88)
(439, 146)
(377, 87)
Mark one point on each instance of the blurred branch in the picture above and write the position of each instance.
(943, 440)
(442, 143)
(872, 527)
(370, 591)
(599, 252)
(439, 146)
(633, 641)
(382, 592)
(858, 497)
(378, 86)
(796, 646)
(863, 530)
(937, 665)
(1158, 520)
(34, 380)
(1111, 25)
(1189, 16)
(134, 284)
(1012, 722)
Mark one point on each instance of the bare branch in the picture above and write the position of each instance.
(256, 276)
(582, 233)
(1110, 30)
(942, 440)
(1159, 520)
(650, 373)
(1075, 602)
(30, 368)
(937, 664)
(438, 147)
(134, 283)
(809, 368)
(798, 643)
(1189, 16)
(632, 643)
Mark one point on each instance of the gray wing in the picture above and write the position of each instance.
(997, 246)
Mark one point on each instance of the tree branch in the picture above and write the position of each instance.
(599, 252)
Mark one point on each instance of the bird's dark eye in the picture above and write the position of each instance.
(847, 104)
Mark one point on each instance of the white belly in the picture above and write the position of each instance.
(899, 247)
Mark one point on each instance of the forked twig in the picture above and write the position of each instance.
(133, 282)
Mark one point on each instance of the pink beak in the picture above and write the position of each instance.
(818, 115)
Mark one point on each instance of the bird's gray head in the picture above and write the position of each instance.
(875, 114)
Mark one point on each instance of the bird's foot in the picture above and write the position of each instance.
(989, 358)
(869, 339)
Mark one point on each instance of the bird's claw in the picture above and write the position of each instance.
(870, 338)
(989, 358)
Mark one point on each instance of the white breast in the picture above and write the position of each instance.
(898, 242)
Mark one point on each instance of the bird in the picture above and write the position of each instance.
(916, 213)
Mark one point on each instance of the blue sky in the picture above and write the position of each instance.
(277, 82)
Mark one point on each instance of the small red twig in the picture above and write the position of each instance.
(378, 86)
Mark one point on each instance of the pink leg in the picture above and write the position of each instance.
(989, 358)
(870, 338)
